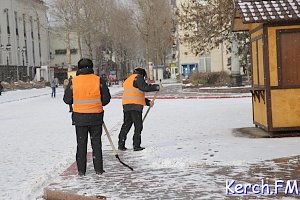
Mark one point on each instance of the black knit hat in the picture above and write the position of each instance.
(85, 63)
(140, 71)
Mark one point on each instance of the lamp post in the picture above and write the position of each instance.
(7, 49)
(23, 50)
(22, 53)
(2, 71)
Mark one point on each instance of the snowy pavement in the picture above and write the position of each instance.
(37, 141)
(190, 150)
(173, 90)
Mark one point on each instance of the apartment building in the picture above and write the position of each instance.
(24, 40)
(214, 61)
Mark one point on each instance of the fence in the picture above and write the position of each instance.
(13, 73)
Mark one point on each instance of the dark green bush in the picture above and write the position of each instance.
(210, 79)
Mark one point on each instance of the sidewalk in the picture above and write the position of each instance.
(191, 150)
(173, 90)
(193, 182)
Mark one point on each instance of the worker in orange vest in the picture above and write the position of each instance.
(88, 93)
(133, 101)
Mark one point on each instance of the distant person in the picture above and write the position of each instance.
(88, 93)
(133, 101)
(53, 87)
(104, 78)
(56, 82)
(66, 82)
(1, 88)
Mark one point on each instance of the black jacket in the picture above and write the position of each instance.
(87, 119)
(139, 82)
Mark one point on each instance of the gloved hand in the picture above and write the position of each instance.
(151, 103)
(157, 87)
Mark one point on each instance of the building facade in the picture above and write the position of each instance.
(24, 39)
(62, 62)
(58, 48)
(214, 61)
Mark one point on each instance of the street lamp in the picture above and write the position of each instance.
(22, 53)
(2, 71)
(7, 49)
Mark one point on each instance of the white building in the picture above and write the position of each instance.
(58, 48)
(23, 38)
(60, 60)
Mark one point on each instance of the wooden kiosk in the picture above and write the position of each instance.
(274, 28)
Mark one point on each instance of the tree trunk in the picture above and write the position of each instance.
(235, 65)
(68, 51)
(79, 43)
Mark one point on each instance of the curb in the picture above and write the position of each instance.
(54, 194)
(59, 195)
(250, 132)
(257, 132)
(192, 97)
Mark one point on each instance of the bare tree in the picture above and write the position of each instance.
(86, 17)
(126, 33)
(64, 12)
(125, 38)
(205, 24)
(154, 22)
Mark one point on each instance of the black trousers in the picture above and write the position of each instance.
(53, 94)
(82, 137)
(131, 117)
(70, 108)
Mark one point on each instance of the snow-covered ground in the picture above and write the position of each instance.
(38, 141)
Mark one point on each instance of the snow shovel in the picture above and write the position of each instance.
(113, 147)
(155, 96)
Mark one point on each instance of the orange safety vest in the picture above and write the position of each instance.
(86, 94)
(132, 95)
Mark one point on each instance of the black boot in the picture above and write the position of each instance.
(138, 148)
(121, 144)
(81, 173)
(100, 172)
(122, 148)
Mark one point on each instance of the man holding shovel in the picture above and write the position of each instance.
(133, 101)
(88, 93)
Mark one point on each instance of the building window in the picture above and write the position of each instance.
(32, 42)
(64, 51)
(24, 25)
(39, 40)
(7, 21)
(16, 22)
(60, 51)
(73, 51)
(38, 26)
(188, 69)
(205, 63)
(31, 27)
